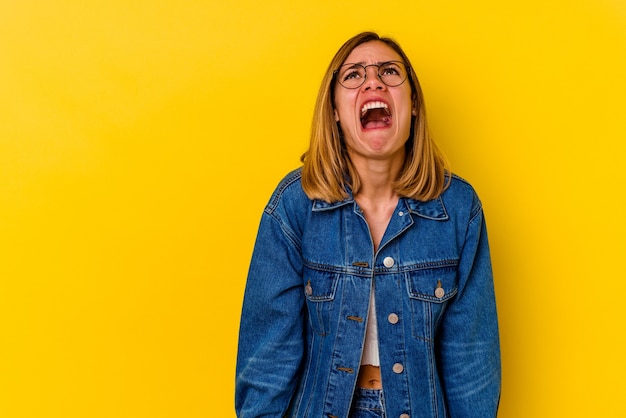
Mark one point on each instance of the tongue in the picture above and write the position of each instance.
(375, 118)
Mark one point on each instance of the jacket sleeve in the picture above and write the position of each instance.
(271, 335)
(469, 347)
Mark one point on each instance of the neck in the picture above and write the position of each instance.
(377, 177)
(376, 197)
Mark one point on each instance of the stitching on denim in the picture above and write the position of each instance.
(430, 299)
(284, 184)
(419, 337)
(428, 323)
(415, 294)
(317, 205)
(477, 207)
(317, 375)
(452, 262)
(321, 309)
(478, 210)
(302, 386)
(342, 269)
(329, 296)
(456, 176)
(432, 378)
(367, 272)
(445, 217)
(289, 234)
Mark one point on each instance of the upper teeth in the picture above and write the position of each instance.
(373, 105)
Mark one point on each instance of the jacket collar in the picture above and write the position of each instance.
(433, 209)
(320, 205)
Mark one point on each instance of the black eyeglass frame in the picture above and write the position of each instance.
(407, 69)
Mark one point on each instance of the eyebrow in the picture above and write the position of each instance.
(363, 63)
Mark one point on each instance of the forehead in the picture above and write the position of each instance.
(371, 53)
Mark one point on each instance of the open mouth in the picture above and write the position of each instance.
(375, 115)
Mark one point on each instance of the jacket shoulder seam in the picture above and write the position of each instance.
(284, 184)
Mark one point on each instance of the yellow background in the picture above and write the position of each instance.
(140, 140)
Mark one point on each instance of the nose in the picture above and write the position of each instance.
(372, 79)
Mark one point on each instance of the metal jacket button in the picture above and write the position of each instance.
(388, 262)
(398, 368)
(392, 318)
(404, 416)
(439, 292)
(308, 289)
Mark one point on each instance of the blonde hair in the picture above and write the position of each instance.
(328, 171)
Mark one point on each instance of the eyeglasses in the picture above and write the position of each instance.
(391, 73)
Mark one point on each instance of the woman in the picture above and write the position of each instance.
(370, 292)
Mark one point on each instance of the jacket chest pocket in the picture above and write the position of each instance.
(319, 289)
(429, 291)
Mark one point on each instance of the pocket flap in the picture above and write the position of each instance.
(432, 284)
(319, 286)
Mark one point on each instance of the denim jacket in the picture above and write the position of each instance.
(305, 308)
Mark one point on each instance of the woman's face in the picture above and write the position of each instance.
(375, 119)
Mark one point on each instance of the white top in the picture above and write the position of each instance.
(370, 349)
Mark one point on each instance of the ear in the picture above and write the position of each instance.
(336, 115)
